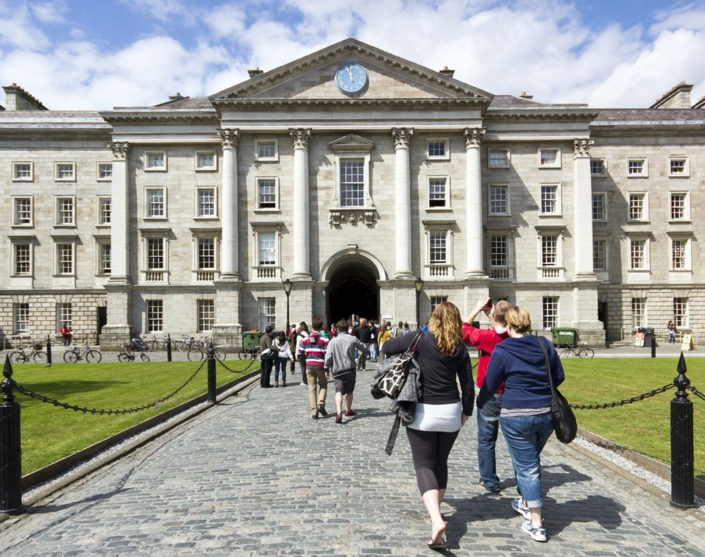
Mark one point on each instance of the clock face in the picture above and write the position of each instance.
(351, 78)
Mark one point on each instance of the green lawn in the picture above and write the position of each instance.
(643, 426)
(50, 433)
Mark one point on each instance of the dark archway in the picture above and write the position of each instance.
(352, 290)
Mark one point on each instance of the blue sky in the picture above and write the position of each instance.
(88, 54)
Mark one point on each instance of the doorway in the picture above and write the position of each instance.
(352, 290)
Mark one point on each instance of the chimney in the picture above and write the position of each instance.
(447, 72)
(17, 98)
(255, 72)
(678, 97)
(525, 95)
(176, 97)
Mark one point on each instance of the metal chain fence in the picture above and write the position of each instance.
(695, 391)
(625, 401)
(231, 370)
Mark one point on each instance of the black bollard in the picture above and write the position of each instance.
(168, 348)
(682, 477)
(653, 346)
(48, 351)
(211, 374)
(10, 456)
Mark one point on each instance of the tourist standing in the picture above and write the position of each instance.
(66, 334)
(266, 356)
(301, 335)
(314, 348)
(385, 334)
(671, 332)
(340, 361)
(284, 355)
(363, 334)
(374, 346)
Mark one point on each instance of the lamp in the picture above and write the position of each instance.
(287, 284)
(418, 284)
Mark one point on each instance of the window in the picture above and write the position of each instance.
(437, 301)
(206, 315)
(438, 247)
(206, 253)
(156, 203)
(678, 167)
(266, 150)
(205, 203)
(438, 195)
(22, 207)
(65, 258)
(498, 158)
(22, 254)
(550, 200)
(65, 215)
(680, 254)
(597, 167)
(638, 256)
(680, 312)
(599, 255)
(266, 193)
(549, 251)
(155, 316)
(680, 205)
(437, 149)
(637, 168)
(638, 207)
(352, 183)
(266, 248)
(638, 312)
(156, 254)
(104, 209)
(104, 252)
(206, 160)
(64, 315)
(155, 161)
(499, 200)
(20, 313)
(599, 207)
(549, 158)
(550, 311)
(65, 171)
(22, 171)
(105, 171)
(265, 312)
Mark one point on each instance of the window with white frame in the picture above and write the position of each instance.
(155, 161)
(438, 194)
(206, 161)
(65, 212)
(155, 202)
(638, 312)
(550, 199)
(266, 248)
(22, 258)
(206, 315)
(437, 301)
(599, 207)
(549, 158)
(637, 168)
(65, 254)
(499, 200)
(499, 251)
(680, 254)
(599, 254)
(22, 172)
(438, 247)
(64, 315)
(104, 210)
(156, 253)
(266, 312)
(549, 250)
(22, 211)
(267, 193)
(206, 254)
(498, 158)
(352, 182)
(550, 311)
(105, 171)
(680, 312)
(597, 167)
(20, 314)
(206, 203)
(155, 316)
(65, 171)
(678, 167)
(103, 256)
(638, 254)
(638, 207)
(679, 202)
(266, 150)
(437, 149)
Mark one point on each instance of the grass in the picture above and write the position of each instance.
(643, 426)
(50, 433)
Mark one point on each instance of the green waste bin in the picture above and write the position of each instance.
(564, 336)
(250, 341)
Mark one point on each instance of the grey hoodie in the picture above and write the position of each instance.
(340, 354)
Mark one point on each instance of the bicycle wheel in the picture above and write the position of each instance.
(183, 346)
(243, 355)
(70, 357)
(219, 353)
(124, 357)
(253, 353)
(586, 352)
(144, 357)
(94, 356)
(567, 353)
(195, 354)
(40, 357)
(17, 357)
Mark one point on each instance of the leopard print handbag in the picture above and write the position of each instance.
(392, 372)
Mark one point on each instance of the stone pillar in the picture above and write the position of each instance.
(402, 203)
(301, 138)
(582, 209)
(473, 204)
(229, 221)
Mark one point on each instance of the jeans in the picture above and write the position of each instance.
(374, 351)
(362, 359)
(525, 437)
(487, 430)
(280, 364)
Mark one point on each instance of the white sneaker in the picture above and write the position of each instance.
(519, 506)
(537, 533)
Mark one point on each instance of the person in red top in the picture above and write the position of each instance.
(488, 417)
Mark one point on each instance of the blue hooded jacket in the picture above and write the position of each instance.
(520, 364)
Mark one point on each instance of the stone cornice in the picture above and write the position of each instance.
(361, 103)
(154, 115)
(544, 113)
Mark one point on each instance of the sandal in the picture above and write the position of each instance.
(439, 542)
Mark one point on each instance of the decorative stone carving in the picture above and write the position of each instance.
(581, 147)
(119, 149)
(402, 137)
(353, 216)
(473, 137)
(230, 137)
(301, 137)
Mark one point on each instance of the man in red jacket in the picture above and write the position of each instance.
(488, 417)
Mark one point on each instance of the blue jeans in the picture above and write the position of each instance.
(280, 364)
(525, 437)
(487, 430)
(374, 351)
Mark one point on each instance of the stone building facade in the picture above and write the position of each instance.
(369, 185)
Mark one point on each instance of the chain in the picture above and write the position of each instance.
(102, 411)
(238, 371)
(625, 401)
(695, 391)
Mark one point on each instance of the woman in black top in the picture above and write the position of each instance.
(441, 411)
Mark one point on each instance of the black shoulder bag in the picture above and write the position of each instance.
(564, 423)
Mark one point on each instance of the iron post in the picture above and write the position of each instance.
(653, 346)
(682, 474)
(211, 374)
(168, 348)
(10, 455)
(287, 290)
(418, 284)
(48, 350)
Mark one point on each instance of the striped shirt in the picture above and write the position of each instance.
(314, 348)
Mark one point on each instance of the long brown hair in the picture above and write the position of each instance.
(445, 324)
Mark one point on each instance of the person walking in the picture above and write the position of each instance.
(314, 348)
(266, 356)
(385, 334)
(525, 418)
(340, 361)
(301, 334)
(485, 341)
(374, 347)
(362, 332)
(284, 355)
(291, 338)
(441, 411)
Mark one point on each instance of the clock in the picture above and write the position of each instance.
(351, 78)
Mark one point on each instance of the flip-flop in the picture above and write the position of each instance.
(438, 543)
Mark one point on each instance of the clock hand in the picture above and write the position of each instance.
(350, 73)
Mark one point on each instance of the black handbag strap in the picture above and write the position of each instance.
(393, 435)
(548, 366)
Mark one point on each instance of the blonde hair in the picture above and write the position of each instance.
(445, 324)
(500, 311)
(519, 318)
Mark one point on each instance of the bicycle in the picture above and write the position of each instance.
(78, 353)
(579, 351)
(186, 343)
(129, 356)
(24, 356)
(248, 353)
(200, 350)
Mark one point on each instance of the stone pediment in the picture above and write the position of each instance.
(352, 142)
(311, 79)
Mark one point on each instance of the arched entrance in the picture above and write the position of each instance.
(352, 290)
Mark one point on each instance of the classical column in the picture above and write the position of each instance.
(301, 138)
(582, 213)
(402, 202)
(473, 204)
(229, 249)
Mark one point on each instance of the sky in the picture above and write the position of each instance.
(98, 54)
